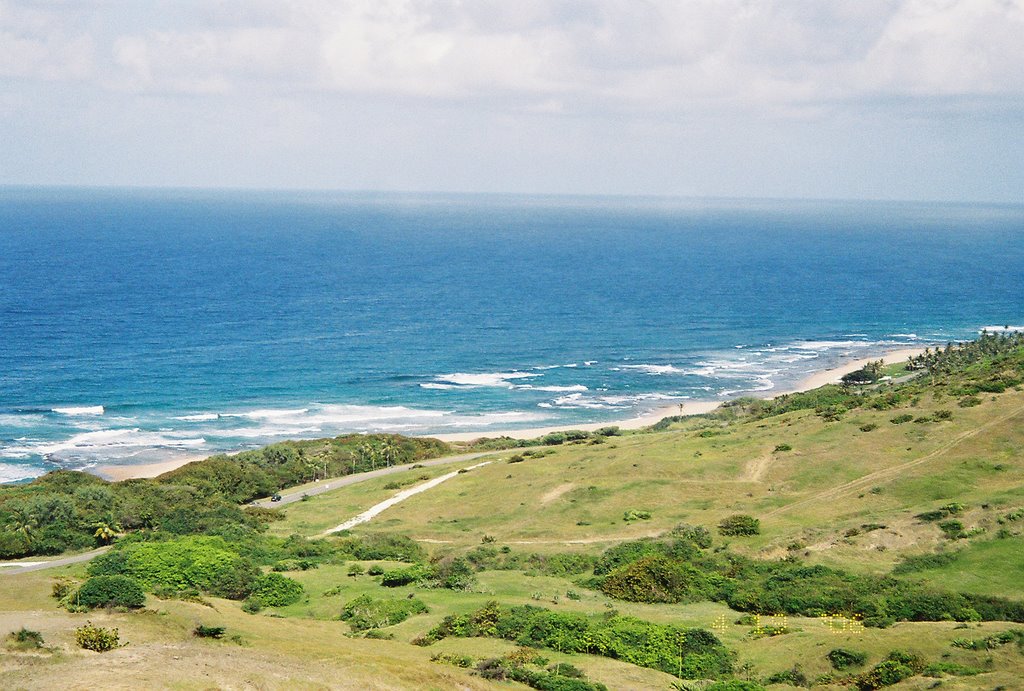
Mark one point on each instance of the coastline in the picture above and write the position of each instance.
(118, 473)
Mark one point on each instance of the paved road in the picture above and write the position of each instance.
(23, 566)
(346, 480)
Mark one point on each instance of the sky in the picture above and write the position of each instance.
(850, 99)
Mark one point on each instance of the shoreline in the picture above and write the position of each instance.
(119, 473)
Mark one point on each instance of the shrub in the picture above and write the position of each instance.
(734, 685)
(356, 570)
(201, 631)
(275, 590)
(841, 658)
(252, 606)
(97, 638)
(110, 591)
(969, 401)
(464, 661)
(783, 447)
(937, 669)
(943, 415)
(62, 587)
(696, 534)
(396, 578)
(365, 612)
(953, 529)
(375, 570)
(636, 515)
(868, 427)
(793, 676)
(900, 419)
(739, 524)
(896, 667)
(25, 639)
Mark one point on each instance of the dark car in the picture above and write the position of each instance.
(276, 497)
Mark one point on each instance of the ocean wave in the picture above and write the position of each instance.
(655, 369)
(435, 385)
(491, 379)
(103, 442)
(912, 337)
(15, 473)
(553, 389)
(79, 410)
(1001, 329)
(513, 417)
(198, 417)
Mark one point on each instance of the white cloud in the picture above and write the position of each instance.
(659, 54)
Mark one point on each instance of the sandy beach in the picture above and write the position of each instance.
(126, 472)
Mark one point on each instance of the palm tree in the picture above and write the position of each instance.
(105, 532)
(389, 452)
(24, 519)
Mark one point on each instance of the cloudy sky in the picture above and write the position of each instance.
(885, 99)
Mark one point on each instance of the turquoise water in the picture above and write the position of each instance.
(138, 325)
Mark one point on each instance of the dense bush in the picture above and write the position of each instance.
(275, 590)
(657, 579)
(658, 646)
(739, 524)
(64, 510)
(397, 578)
(110, 591)
(203, 563)
(366, 612)
(376, 546)
(97, 638)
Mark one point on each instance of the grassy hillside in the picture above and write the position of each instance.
(899, 507)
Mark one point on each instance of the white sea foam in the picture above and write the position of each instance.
(14, 473)
(79, 410)
(98, 443)
(913, 337)
(656, 369)
(492, 419)
(1001, 329)
(269, 413)
(434, 385)
(198, 417)
(491, 379)
(553, 389)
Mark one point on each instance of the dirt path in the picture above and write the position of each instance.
(346, 480)
(886, 473)
(377, 509)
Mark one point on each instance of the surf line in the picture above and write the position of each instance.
(376, 509)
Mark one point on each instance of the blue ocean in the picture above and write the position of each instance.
(137, 325)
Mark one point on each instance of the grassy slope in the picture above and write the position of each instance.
(834, 479)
